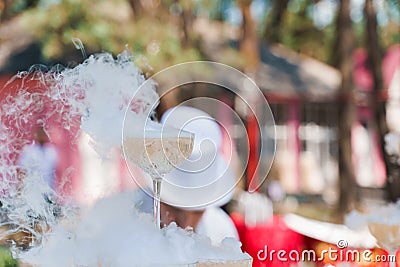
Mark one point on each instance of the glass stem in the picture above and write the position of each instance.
(156, 205)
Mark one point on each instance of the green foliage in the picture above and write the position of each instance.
(390, 33)
(6, 259)
(155, 35)
(300, 34)
(108, 26)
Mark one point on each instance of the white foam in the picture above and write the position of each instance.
(100, 90)
(114, 233)
(93, 96)
(388, 214)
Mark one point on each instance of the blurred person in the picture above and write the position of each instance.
(256, 208)
(369, 168)
(100, 176)
(41, 156)
(183, 200)
(211, 221)
(312, 180)
(37, 165)
(275, 191)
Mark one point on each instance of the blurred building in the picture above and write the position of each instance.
(304, 97)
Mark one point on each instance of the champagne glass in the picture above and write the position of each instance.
(157, 153)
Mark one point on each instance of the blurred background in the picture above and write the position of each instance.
(330, 70)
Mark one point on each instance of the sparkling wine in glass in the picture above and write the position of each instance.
(157, 153)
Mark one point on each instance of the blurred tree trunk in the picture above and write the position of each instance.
(136, 7)
(219, 16)
(187, 20)
(375, 54)
(373, 46)
(249, 49)
(5, 10)
(344, 51)
(272, 32)
(31, 3)
(249, 41)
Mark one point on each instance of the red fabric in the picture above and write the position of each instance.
(275, 235)
(261, 240)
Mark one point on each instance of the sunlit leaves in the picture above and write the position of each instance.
(107, 26)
